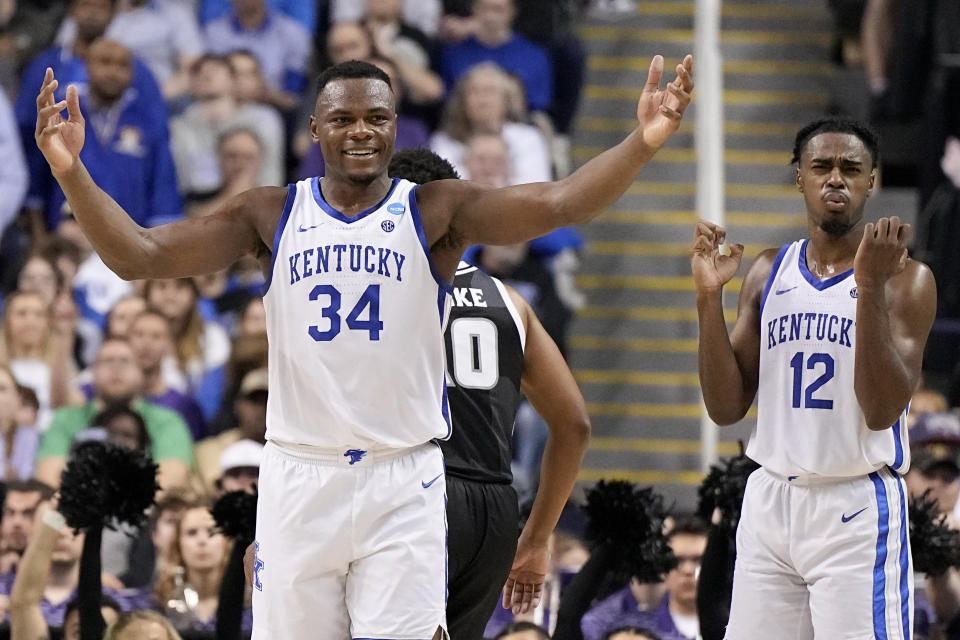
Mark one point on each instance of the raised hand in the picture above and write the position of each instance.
(59, 140)
(659, 111)
(711, 269)
(882, 252)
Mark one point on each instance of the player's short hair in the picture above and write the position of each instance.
(861, 130)
(637, 631)
(351, 70)
(517, 627)
(420, 165)
(687, 525)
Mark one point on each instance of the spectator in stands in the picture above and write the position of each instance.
(486, 100)
(18, 443)
(166, 514)
(348, 41)
(26, 28)
(121, 316)
(151, 340)
(676, 617)
(188, 590)
(254, 318)
(877, 37)
(303, 12)
(109, 608)
(239, 157)
(40, 276)
(281, 44)
(141, 625)
(523, 631)
(29, 408)
(214, 112)
(162, 34)
(96, 289)
(117, 379)
(409, 50)
(202, 348)
(13, 169)
(493, 40)
(422, 14)
(38, 350)
(128, 147)
(20, 504)
(251, 410)
(240, 467)
(67, 61)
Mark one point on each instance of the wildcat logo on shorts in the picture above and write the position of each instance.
(387, 225)
(257, 567)
(396, 208)
(355, 455)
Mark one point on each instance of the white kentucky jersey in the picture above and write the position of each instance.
(808, 418)
(354, 315)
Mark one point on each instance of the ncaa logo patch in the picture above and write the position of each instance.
(387, 225)
(396, 208)
(853, 292)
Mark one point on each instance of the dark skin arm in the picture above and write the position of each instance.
(729, 363)
(244, 224)
(458, 213)
(896, 305)
(549, 385)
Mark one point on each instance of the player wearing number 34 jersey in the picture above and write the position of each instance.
(829, 339)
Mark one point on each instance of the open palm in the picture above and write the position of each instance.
(659, 111)
(60, 140)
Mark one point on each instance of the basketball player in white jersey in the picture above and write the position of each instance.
(829, 338)
(350, 530)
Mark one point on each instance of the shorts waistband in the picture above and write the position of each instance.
(813, 480)
(345, 457)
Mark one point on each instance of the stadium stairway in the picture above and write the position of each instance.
(633, 346)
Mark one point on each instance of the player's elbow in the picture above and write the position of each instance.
(880, 421)
(725, 416)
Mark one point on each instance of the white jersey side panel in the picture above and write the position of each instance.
(354, 313)
(808, 418)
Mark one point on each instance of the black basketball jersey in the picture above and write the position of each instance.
(484, 341)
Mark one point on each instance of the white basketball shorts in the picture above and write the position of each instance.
(826, 560)
(350, 544)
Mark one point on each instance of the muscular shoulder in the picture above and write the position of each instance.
(261, 208)
(440, 202)
(915, 284)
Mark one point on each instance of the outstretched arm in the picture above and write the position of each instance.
(551, 389)
(179, 249)
(26, 617)
(517, 214)
(896, 304)
(729, 363)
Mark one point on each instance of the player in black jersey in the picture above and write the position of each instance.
(496, 349)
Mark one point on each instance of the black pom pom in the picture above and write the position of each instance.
(103, 483)
(629, 521)
(236, 515)
(936, 547)
(723, 489)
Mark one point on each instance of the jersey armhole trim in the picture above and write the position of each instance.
(278, 234)
(772, 276)
(422, 235)
(514, 312)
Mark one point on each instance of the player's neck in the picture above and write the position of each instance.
(828, 255)
(349, 197)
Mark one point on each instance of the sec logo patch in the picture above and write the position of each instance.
(387, 226)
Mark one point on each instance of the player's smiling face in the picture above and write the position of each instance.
(355, 124)
(836, 176)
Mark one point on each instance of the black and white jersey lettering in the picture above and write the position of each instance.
(484, 339)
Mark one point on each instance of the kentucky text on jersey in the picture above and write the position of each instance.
(809, 326)
(342, 257)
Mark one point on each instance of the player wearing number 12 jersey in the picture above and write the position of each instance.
(829, 338)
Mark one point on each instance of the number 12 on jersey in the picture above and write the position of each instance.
(814, 363)
(369, 298)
